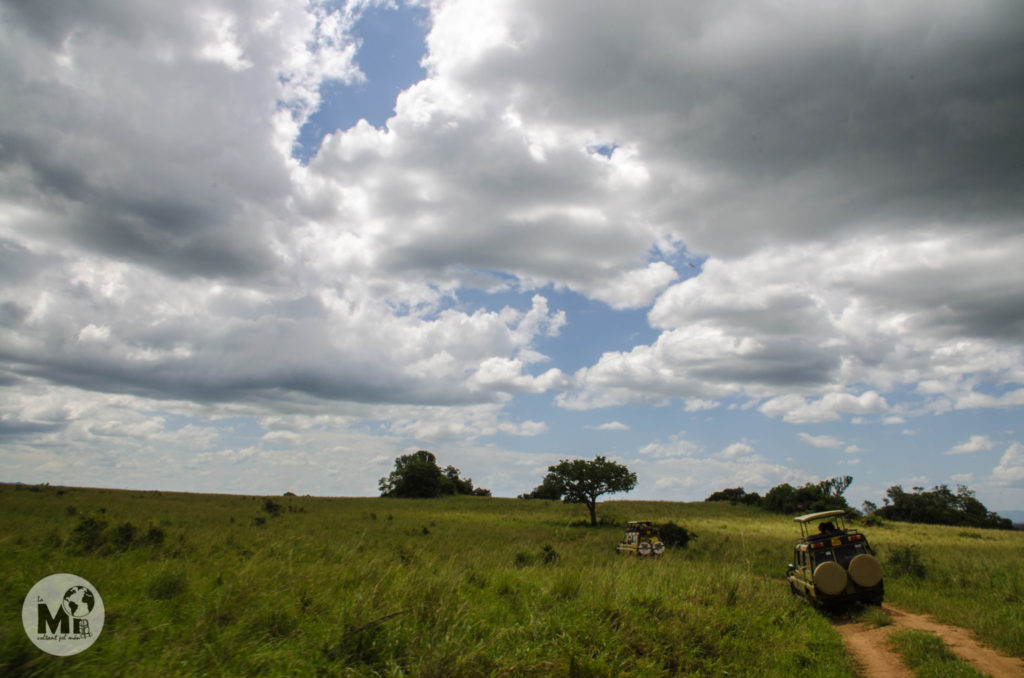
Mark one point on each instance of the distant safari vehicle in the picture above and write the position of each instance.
(642, 539)
(834, 565)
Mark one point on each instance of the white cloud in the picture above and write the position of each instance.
(821, 441)
(1010, 471)
(797, 410)
(612, 426)
(699, 404)
(675, 446)
(736, 451)
(977, 443)
(159, 241)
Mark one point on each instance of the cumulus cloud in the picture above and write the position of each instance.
(736, 451)
(977, 443)
(1010, 470)
(676, 446)
(689, 476)
(843, 179)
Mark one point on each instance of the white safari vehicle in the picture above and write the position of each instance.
(832, 564)
(642, 539)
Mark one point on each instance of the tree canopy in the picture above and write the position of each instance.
(417, 475)
(550, 488)
(784, 498)
(578, 481)
(939, 506)
(736, 495)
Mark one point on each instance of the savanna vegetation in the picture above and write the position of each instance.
(460, 586)
(418, 476)
(928, 657)
(582, 481)
(940, 506)
(821, 496)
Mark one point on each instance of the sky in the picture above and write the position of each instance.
(257, 246)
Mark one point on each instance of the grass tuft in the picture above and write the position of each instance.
(928, 657)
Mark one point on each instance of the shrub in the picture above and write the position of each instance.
(272, 507)
(154, 535)
(88, 535)
(123, 536)
(549, 555)
(906, 561)
(523, 559)
(673, 535)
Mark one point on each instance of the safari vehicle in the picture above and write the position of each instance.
(833, 565)
(642, 539)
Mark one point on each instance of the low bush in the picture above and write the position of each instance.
(87, 536)
(906, 561)
(675, 536)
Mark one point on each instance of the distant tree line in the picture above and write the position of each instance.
(821, 496)
(418, 476)
(940, 506)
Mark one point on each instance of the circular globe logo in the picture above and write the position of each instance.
(63, 614)
(78, 601)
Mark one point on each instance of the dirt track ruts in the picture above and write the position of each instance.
(871, 652)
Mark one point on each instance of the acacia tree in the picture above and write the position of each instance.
(582, 482)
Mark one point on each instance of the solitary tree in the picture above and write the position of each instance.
(418, 475)
(582, 482)
(415, 475)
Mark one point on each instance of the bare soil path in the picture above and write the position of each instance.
(869, 646)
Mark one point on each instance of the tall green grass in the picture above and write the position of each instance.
(928, 657)
(460, 586)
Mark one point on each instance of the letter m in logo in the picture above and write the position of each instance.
(47, 621)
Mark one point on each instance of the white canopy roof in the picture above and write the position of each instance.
(819, 516)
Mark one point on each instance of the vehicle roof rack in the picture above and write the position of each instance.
(819, 515)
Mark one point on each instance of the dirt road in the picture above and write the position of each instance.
(869, 647)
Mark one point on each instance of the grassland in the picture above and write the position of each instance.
(462, 586)
(928, 657)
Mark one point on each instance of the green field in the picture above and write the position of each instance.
(460, 586)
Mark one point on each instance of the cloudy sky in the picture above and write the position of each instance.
(264, 245)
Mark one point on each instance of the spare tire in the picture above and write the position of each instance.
(830, 578)
(644, 548)
(865, 570)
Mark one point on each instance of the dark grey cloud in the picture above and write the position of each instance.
(162, 242)
(806, 119)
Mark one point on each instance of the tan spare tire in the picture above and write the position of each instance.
(830, 578)
(865, 570)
